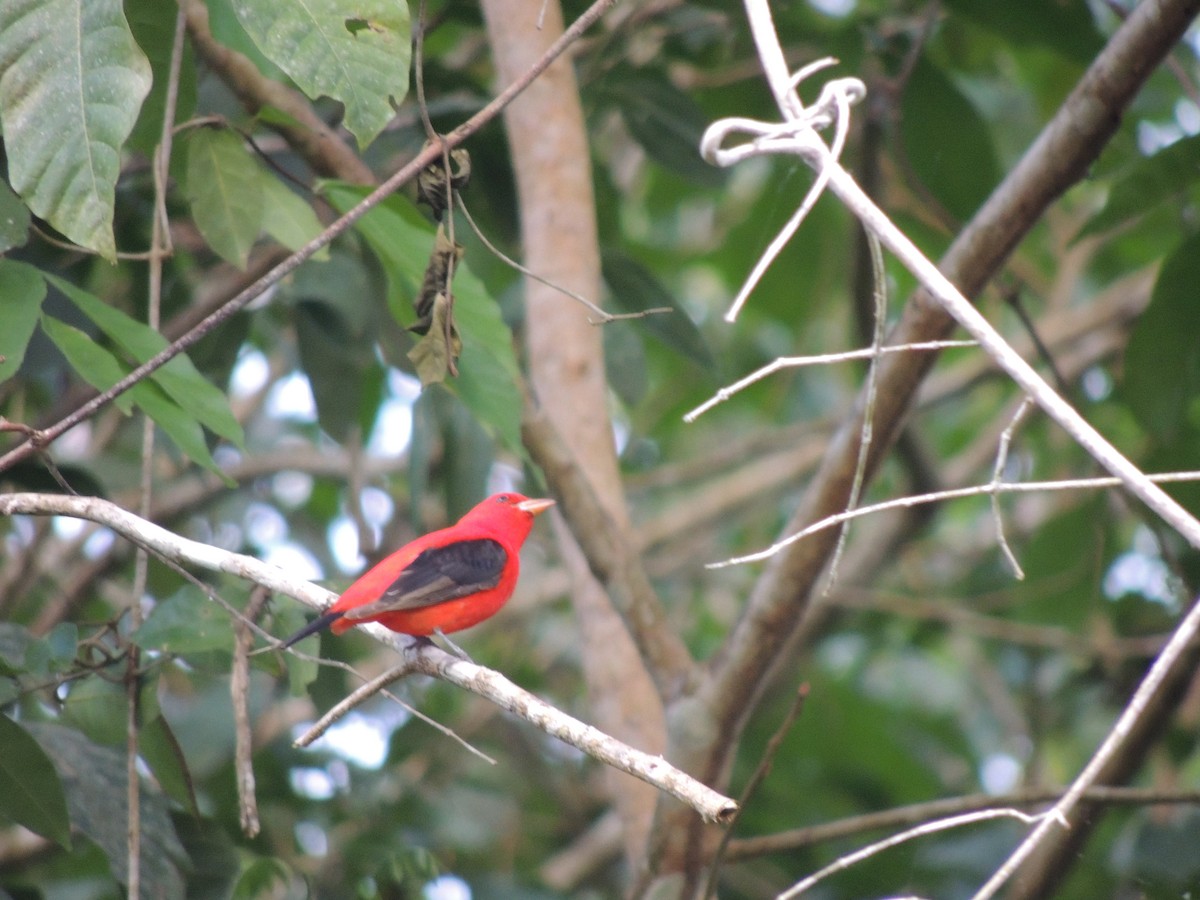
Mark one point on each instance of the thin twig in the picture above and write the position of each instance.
(604, 317)
(159, 247)
(922, 830)
(799, 838)
(369, 689)
(798, 136)
(1023, 487)
(239, 691)
(756, 778)
(866, 433)
(338, 227)
(997, 476)
(820, 359)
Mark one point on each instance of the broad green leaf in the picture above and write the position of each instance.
(625, 361)
(634, 289)
(153, 27)
(1162, 358)
(487, 370)
(57, 651)
(159, 747)
(947, 142)
(30, 791)
(21, 293)
(665, 121)
(337, 325)
(71, 83)
(224, 185)
(357, 54)
(97, 707)
(263, 877)
(287, 218)
(1148, 183)
(178, 378)
(95, 365)
(14, 219)
(102, 370)
(1066, 28)
(186, 622)
(96, 785)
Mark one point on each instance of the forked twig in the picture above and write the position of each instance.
(820, 359)
(977, 490)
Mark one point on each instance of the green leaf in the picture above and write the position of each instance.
(71, 83)
(337, 324)
(487, 370)
(1066, 28)
(159, 747)
(95, 365)
(263, 877)
(178, 378)
(61, 646)
(97, 707)
(21, 293)
(625, 362)
(947, 142)
(102, 370)
(665, 121)
(357, 54)
(224, 186)
(634, 289)
(1162, 358)
(288, 219)
(153, 27)
(95, 781)
(14, 219)
(186, 622)
(30, 791)
(1148, 183)
(342, 372)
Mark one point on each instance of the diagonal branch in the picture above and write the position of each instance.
(1060, 155)
(1072, 139)
(405, 174)
(424, 659)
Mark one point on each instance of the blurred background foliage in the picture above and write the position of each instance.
(933, 672)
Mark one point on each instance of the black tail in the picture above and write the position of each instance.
(312, 627)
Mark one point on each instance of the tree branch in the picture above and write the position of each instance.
(405, 174)
(1060, 155)
(423, 658)
(1066, 146)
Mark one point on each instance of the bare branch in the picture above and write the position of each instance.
(424, 658)
(922, 830)
(798, 838)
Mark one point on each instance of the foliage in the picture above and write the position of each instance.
(297, 430)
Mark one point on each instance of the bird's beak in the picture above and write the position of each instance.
(535, 507)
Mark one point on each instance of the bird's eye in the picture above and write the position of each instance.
(504, 498)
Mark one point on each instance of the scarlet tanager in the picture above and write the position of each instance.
(445, 581)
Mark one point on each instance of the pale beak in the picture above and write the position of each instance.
(535, 507)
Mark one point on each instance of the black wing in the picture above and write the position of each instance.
(440, 574)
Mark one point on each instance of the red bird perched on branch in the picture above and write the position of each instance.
(446, 581)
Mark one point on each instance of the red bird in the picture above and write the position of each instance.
(446, 581)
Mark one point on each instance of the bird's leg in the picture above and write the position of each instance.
(454, 648)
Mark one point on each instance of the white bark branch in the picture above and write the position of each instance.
(423, 658)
